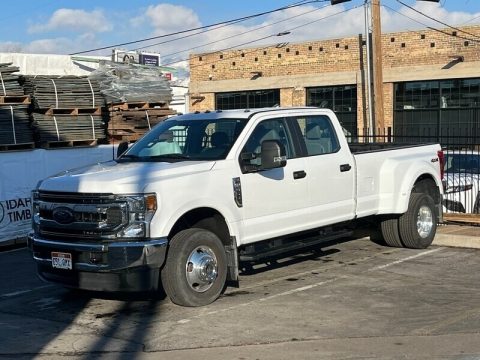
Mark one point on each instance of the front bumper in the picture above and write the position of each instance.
(118, 266)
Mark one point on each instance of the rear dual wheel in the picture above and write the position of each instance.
(418, 225)
(415, 228)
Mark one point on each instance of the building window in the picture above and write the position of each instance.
(247, 99)
(341, 99)
(441, 94)
(437, 108)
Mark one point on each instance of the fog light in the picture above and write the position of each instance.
(134, 230)
(96, 257)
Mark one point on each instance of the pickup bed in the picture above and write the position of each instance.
(200, 192)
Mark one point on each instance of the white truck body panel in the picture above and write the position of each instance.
(274, 203)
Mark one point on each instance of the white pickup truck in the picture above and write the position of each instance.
(202, 192)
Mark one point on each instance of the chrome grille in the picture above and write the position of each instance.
(83, 215)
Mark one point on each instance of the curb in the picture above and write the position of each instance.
(461, 241)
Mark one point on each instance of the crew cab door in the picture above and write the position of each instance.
(330, 170)
(274, 200)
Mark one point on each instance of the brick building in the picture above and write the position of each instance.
(431, 79)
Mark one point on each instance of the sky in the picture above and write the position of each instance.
(64, 27)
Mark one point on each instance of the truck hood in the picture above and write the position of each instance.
(117, 178)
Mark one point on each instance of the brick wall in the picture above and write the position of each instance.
(424, 47)
(400, 50)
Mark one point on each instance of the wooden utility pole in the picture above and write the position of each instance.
(378, 122)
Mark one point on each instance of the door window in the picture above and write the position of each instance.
(274, 129)
(318, 134)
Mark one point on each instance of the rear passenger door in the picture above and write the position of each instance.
(330, 171)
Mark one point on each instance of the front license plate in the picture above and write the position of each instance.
(62, 260)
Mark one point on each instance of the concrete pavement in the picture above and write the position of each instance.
(458, 236)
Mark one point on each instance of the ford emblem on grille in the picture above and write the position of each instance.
(63, 215)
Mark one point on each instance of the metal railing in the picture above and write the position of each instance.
(462, 161)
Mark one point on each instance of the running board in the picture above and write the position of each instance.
(291, 246)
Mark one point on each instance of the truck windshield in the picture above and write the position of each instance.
(180, 140)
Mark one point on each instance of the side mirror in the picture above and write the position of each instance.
(122, 147)
(273, 155)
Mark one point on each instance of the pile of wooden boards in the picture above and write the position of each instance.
(130, 121)
(66, 111)
(15, 130)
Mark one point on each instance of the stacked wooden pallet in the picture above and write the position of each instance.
(66, 111)
(130, 121)
(15, 130)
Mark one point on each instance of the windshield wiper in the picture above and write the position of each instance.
(128, 156)
(173, 156)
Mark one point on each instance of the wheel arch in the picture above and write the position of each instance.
(426, 184)
(210, 219)
(417, 182)
(204, 218)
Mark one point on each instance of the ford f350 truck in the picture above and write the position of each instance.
(202, 192)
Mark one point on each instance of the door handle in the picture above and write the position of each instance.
(299, 174)
(345, 167)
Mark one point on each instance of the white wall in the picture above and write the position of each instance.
(20, 171)
(48, 64)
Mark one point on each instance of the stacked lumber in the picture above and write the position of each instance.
(132, 83)
(15, 130)
(138, 98)
(67, 111)
(130, 121)
(63, 92)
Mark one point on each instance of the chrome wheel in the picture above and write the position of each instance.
(424, 221)
(201, 269)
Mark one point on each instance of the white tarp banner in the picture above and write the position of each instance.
(20, 171)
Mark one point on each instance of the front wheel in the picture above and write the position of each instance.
(196, 268)
(417, 227)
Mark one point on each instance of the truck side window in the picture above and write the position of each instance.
(318, 134)
(274, 129)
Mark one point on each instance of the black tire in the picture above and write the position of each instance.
(418, 225)
(390, 233)
(179, 282)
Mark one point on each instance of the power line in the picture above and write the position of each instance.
(245, 32)
(430, 27)
(439, 21)
(259, 39)
(300, 3)
(303, 2)
(475, 18)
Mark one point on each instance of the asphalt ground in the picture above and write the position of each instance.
(350, 300)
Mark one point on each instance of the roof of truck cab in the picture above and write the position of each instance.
(237, 114)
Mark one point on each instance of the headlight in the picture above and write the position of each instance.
(140, 211)
(35, 211)
(458, 188)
